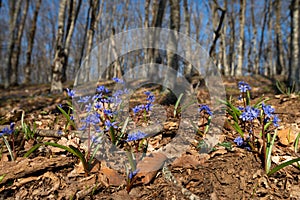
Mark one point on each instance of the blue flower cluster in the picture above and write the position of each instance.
(206, 109)
(8, 130)
(243, 86)
(250, 113)
(240, 142)
(136, 136)
(99, 103)
(269, 113)
(148, 107)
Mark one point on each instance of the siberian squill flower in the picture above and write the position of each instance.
(249, 114)
(136, 136)
(243, 86)
(206, 109)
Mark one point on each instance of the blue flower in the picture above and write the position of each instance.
(205, 108)
(268, 110)
(249, 114)
(276, 120)
(71, 93)
(148, 93)
(240, 108)
(243, 86)
(7, 130)
(95, 139)
(136, 109)
(117, 80)
(151, 98)
(135, 136)
(84, 99)
(102, 88)
(239, 141)
(108, 112)
(108, 124)
(93, 118)
(132, 173)
(88, 107)
(98, 105)
(148, 106)
(97, 96)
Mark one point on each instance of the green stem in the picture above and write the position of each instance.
(9, 149)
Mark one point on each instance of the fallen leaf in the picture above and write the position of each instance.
(218, 152)
(111, 177)
(190, 161)
(148, 167)
(286, 136)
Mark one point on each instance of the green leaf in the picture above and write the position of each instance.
(177, 104)
(30, 151)
(2, 177)
(238, 129)
(70, 149)
(269, 150)
(67, 116)
(227, 145)
(296, 145)
(282, 165)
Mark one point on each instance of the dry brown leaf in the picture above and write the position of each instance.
(111, 177)
(170, 125)
(148, 167)
(218, 152)
(190, 161)
(28, 144)
(286, 136)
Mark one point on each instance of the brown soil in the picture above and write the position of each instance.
(221, 174)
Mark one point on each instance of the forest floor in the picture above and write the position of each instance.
(225, 173)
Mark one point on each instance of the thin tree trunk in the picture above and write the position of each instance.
(63, 42)
(294, 68)
(223, 44)
(239, 69)
(158, 11)
(262, 34)
(15, 11)
(280, 65)
(231, 56)
(269, 67)
(27, 70)
(187, 19)
(172, 42)
(254, 68)
(94, 5)
(16, 55)
(59, 57)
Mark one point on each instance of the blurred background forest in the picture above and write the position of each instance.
(46, 41)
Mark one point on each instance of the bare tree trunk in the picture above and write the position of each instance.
(59, 57)
(231, 56)
(16, 55)
(223, 45)
(94, 18)
(217, 23)
(294, 68)
(269, 67)
(239, 69)
(172, 43)
(254, 67)
(187, 19)
(158, 11)
(280, 65)
(15, 11)
(27, 70)
(63, 42)
(262, 34)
